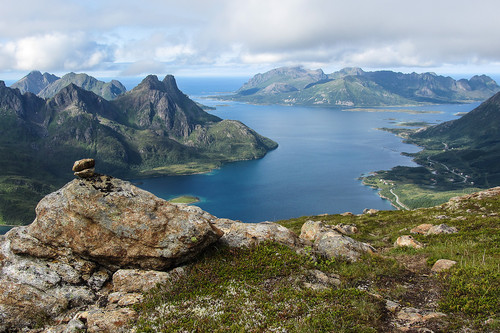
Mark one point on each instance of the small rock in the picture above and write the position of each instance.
(98, 279)
(392, 306)
(433, 315)
(136, 280)
(421, 229)
(347, 214)
(125, 299)
(370, 211)
(442, 229)
(335, 245)
(442, 265)
(87, 173)
(110, 321)
(346, 229)
(86, 163)
(323, 278)
(75, 325)
(410, 315)
(408, 241)
(311, 229)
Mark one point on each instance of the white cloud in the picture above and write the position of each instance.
(61, 35)
(54, 52)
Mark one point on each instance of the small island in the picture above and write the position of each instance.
(185, 199)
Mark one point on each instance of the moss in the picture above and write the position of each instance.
(258, 289)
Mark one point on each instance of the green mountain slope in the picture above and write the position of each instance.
(153, 129)
(355, 87)
(459, 156)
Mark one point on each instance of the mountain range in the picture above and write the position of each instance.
(355, 87)
(48, 85)
(151, 130)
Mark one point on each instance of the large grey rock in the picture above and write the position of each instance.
(116, 224)
(82, 234)
(330, 242)
(335, 245)
(238, 234)
(441, 229)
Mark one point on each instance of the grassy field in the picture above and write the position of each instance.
(264, 289)
(411, 196)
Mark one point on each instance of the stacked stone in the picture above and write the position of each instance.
(84, 168)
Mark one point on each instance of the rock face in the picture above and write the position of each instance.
(114, 223)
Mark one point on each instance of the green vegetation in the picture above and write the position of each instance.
(185, 199)
(258, 289)
(410, 188)
(264, 289)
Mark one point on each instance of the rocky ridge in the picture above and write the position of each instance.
(48, 85)
(99, 243)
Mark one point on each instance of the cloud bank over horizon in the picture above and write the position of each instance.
(223, 37)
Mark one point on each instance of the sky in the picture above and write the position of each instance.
(122, 38)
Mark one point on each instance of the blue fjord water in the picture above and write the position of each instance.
(316, 168)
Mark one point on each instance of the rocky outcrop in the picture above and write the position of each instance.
(97, 240)
(238, 234)
(113, 223)
(330, 242)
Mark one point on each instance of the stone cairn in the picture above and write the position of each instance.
(84, 168)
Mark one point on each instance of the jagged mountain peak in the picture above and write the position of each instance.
(35, 82)
(151, 82)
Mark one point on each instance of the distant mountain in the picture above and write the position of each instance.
(153, 129)
(35, 82)
(107, 90)
(355, 87)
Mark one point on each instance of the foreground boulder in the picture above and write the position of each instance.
(116, 224)
(94, 233)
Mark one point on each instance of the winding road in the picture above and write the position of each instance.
(397, 200)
